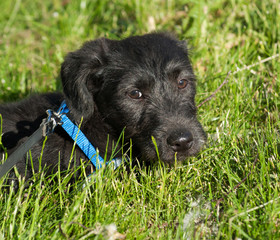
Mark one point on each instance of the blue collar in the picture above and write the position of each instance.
(60, 118)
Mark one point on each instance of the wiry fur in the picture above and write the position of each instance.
(97, 80)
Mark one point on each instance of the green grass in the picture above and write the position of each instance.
(242, 122)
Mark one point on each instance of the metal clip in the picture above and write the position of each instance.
(49, 123)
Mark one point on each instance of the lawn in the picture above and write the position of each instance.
(229, 191)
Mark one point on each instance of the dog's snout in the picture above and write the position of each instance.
(180, 141)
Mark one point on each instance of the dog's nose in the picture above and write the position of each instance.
(180, 141)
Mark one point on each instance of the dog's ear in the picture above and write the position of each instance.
(81, 74)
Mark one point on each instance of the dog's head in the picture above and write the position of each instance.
(144, 84)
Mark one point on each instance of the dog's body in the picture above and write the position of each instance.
(143, 84)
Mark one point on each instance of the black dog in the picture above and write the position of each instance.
(143, 84)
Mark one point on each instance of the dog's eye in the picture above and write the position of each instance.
(135, 94)
(182, 83)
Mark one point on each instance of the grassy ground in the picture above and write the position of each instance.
(242, 123)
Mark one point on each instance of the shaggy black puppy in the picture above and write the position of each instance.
(143, 84)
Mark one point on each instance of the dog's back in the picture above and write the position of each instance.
(21, 119)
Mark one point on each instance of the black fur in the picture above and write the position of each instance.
(144, 84)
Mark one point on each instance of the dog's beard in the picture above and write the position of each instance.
(155, 147)
(151, 152)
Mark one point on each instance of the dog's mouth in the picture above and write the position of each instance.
(169, 151)
(181, 153)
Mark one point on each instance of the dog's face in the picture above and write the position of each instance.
(144, 84)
